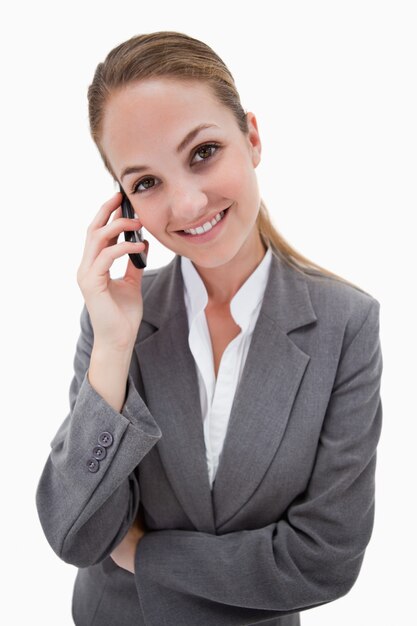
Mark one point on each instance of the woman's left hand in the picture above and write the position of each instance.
(124, 554)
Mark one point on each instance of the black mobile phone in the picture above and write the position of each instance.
(138, 258)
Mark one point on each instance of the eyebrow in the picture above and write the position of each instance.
(135, 169)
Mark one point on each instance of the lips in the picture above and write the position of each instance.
(222, 213)
(207, 235)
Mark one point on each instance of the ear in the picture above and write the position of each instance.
(254, 140)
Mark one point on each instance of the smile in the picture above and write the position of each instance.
(205, 227)
(207, 231)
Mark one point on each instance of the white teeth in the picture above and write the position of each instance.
(205, 227)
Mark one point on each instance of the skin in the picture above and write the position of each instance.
(143, 124)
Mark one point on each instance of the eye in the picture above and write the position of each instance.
(145, 182)
(206, 151)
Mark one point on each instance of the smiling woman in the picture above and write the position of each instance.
(217, 463)
(177, 57)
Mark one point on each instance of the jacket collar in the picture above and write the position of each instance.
(286, 301)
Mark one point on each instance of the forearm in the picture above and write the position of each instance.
(275, 568)
(86, 498)
(232, 579)
(108, 372)
(83, 512)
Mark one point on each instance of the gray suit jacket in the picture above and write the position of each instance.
(291, 511)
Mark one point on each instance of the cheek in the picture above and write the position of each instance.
(244, 189)
(154, 227)
(149, 223)
(234, 177)
(150, 214)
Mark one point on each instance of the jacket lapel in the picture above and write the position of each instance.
(262, 405)
(172, 395)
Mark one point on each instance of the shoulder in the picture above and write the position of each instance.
(340, 307)
(339, 303)
(337, 294)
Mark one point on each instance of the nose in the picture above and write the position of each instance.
(188, 203)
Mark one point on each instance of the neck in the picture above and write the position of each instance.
(223, 282)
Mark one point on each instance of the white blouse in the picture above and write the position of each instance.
(216, 396)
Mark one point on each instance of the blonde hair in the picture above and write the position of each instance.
(176, 55)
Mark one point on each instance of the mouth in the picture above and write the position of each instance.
(205, 229)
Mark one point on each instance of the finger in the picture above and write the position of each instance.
(106, 236)
(102, 216)
(134, 274)
(107, 256)
(116, 215)
(109, 233)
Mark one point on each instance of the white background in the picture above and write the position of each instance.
(333, 86)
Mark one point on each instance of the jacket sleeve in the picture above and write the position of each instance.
(86, 505)
(310, 556)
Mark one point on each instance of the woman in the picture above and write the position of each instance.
(217, 464)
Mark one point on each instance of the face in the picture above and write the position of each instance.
(184, 162)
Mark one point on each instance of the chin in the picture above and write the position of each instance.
(212, 259)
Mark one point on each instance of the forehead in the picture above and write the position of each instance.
(163, 101)
(159, 110)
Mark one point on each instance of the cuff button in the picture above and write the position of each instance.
(99, 453)
(93, 465)
(105, 439)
